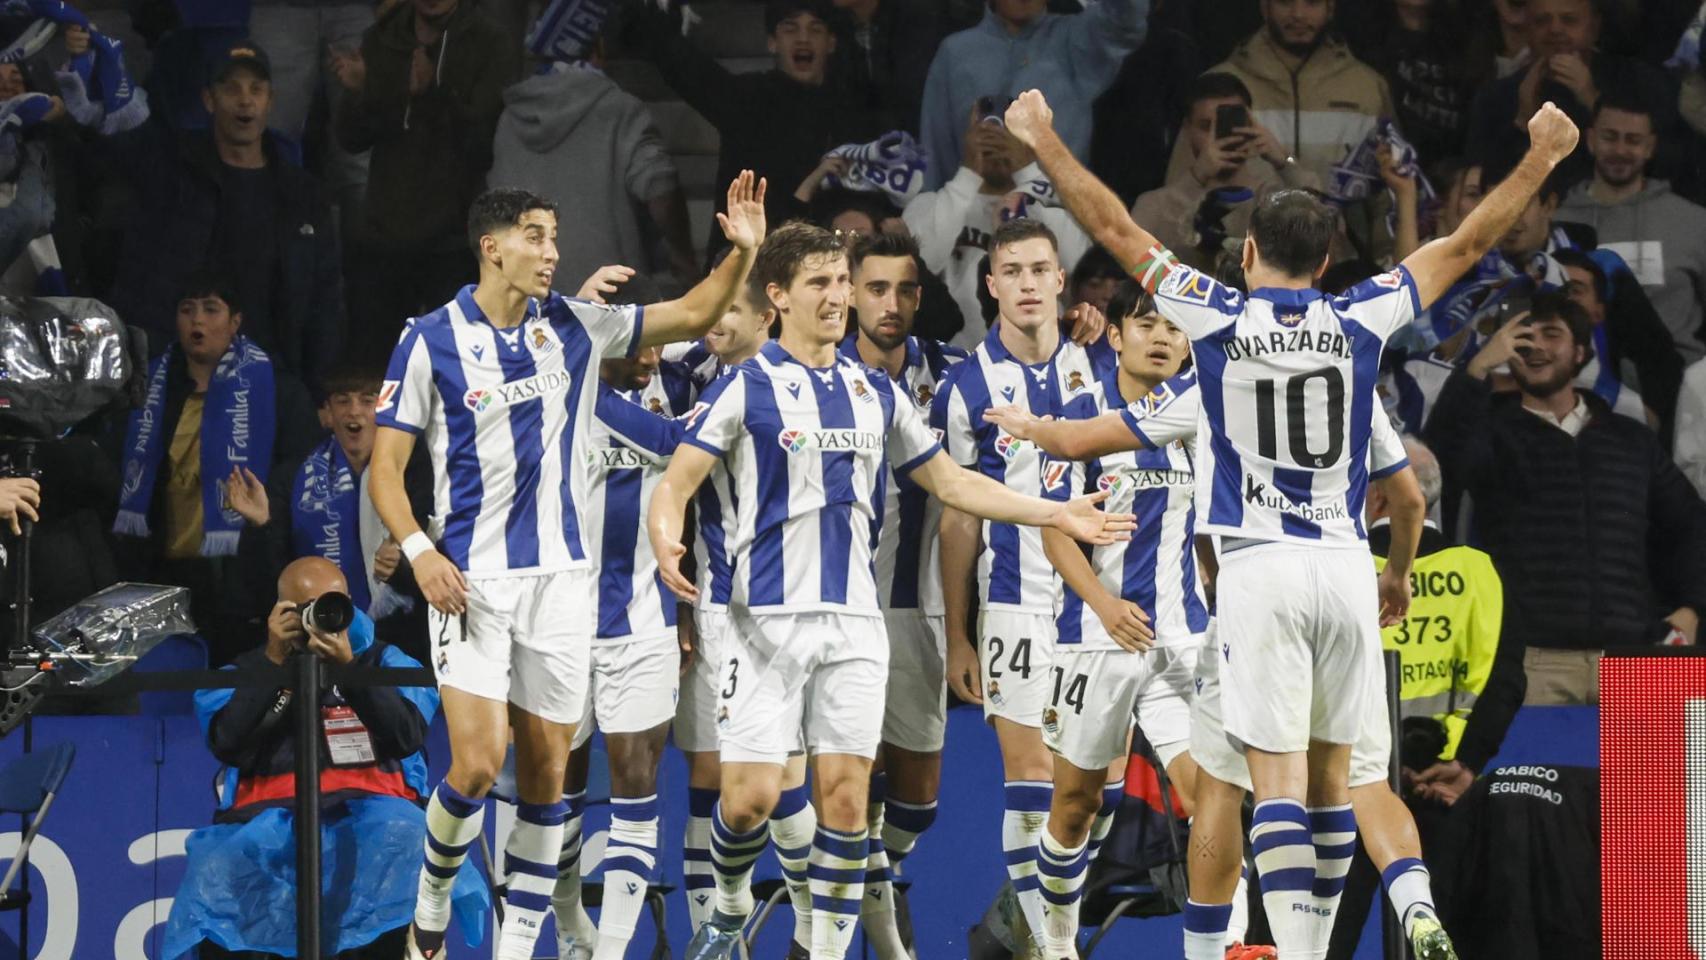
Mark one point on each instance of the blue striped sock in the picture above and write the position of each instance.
(1334, 833)
(1061, 871)
(572, 919)
(1205, 930)
(1410, 889)
(837, 877)
(792, 824)
(530, 863)
(698, 880)
(453, 823)
(1027, 803)
(903, 824)
(1111, 795)
(1285, 859)
(630, 860)
(877, 910)
(732, 856)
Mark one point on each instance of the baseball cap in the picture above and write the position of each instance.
(243, 54)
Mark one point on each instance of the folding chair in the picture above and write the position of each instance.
(28, 786)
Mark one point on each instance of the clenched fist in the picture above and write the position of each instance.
(1552, 132)
(1029, 117)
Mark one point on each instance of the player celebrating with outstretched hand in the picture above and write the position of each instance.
(501, 383)
(1287, 379)
(807, 434)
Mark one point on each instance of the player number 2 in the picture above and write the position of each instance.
(1074, 690)
(1297, 418)
(1019, 663)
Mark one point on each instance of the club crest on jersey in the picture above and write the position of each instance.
(477, 400)
(655, 405)
(995, 696)
(542, 343)
(1009, 446)
(1075, 380)
(923, 395)
(387, 396)
(1051, 720)
(863, 392)
(1054, 474)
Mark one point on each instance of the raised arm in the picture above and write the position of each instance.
(1098, 436)
(1437, 265)
(978, 495)
(695, 312)
(1095, 207)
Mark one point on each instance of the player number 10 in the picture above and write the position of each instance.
(1297, 418)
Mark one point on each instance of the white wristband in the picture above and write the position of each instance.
(416, 544)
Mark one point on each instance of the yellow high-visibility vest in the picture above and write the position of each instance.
(1447, 642)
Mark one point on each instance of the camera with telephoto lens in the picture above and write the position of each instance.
(331, 612)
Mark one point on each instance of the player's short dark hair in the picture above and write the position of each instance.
(1624, 99)
(885, 245)
(776, 11)
(209, 282)
(1556, 305)
(1582, 261)
(1129, 300)
(1216, 85)
(1293, 230)
(501, 209)
(785, 251)
(1018, 231)
(352, 375)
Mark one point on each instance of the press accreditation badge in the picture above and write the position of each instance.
(346, 738)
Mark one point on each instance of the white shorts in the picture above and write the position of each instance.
(1014, 654)
(695, 728)
(1094, 694)
(634, 685)
(1223, 758)
(916, 717)
(524, 640)
(1300, 644)
(820, 673)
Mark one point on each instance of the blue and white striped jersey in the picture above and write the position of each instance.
(807, 449)
(908, 574)
(714, 505)
(1287, 380)
(632, 439)
(1013, 574)
(1157, 568)
(504, 414)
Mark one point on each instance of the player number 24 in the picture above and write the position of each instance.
(1019, 662)
(1297, 418)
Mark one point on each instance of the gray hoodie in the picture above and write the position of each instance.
(572, 136)
(1663, 239)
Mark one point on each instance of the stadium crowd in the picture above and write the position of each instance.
(276, 200)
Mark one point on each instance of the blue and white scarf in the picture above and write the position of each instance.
(325, 521)
(1687, 55)
(893, 164)
(567, 30)
(1355, 178)
(237, 425)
